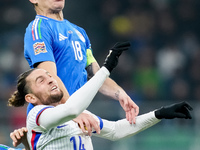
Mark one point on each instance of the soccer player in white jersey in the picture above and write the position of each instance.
(50, 124)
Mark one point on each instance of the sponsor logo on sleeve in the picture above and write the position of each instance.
(39, 47)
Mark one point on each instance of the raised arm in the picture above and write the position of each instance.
(112, 89)
(81, 99)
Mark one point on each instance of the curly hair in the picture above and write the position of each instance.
(17, 99)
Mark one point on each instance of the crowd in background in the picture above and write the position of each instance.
(162, 65)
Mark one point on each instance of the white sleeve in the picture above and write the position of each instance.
(76, 103)
(120, 129)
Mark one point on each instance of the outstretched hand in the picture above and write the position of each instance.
(111, 60)
(130, 108)
(178, 110)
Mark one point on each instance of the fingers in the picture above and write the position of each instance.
(133, 114)
(184, 104)
(130, 116)
(137, 110)
(127, 117)
(121, 46)
(95, 126)
(131, 109)
(17, 135)
(81, 125)
(88, 127)
(180, 115)
(87, 123)
(188, 106)
(124, 105)
(184, 110)
(14, 144)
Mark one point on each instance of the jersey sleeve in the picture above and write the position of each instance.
(33, 116)
(38, 42)
(115, 130)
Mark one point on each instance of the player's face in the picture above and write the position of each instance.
(44, 87)
(54, 6)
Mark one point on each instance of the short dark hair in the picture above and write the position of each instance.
(17, 99)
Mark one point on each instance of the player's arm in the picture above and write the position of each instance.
(81, 99)
(120, 129)
(112, 89)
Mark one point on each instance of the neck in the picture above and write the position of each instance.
(51, 14)
(55, 104)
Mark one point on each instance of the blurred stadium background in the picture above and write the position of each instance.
(161, 68)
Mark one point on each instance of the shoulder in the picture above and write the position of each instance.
(37, 110)
(80, 29)
(38, 23)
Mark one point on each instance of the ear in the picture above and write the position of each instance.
(33, 1)
(31, 98)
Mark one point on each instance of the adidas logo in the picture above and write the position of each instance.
(62, 37)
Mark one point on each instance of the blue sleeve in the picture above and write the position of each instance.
(100, 123)
(4, 147)
(30, 106)
(38, 42)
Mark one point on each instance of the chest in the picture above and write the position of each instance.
(69, 40)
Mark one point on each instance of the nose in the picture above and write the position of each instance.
(50, 80)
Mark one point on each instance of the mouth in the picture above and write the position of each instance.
(54, 88)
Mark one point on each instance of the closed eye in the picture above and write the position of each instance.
(40, 79)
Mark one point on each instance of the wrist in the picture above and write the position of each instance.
(107, 72)
(158, 113)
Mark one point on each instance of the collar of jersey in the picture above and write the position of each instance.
(47, 18)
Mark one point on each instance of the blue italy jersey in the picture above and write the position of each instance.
(4, 147)
(61, 42)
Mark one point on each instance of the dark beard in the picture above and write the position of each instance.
(55, 98)
(51, 99)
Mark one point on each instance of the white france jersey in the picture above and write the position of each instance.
(67, 136)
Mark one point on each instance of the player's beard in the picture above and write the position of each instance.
(53, 98)
(56, 97)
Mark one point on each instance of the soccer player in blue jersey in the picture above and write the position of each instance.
(64, 49)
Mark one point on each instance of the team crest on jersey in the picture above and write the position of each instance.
(80, 35)
(39, 47)
(70, 31)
